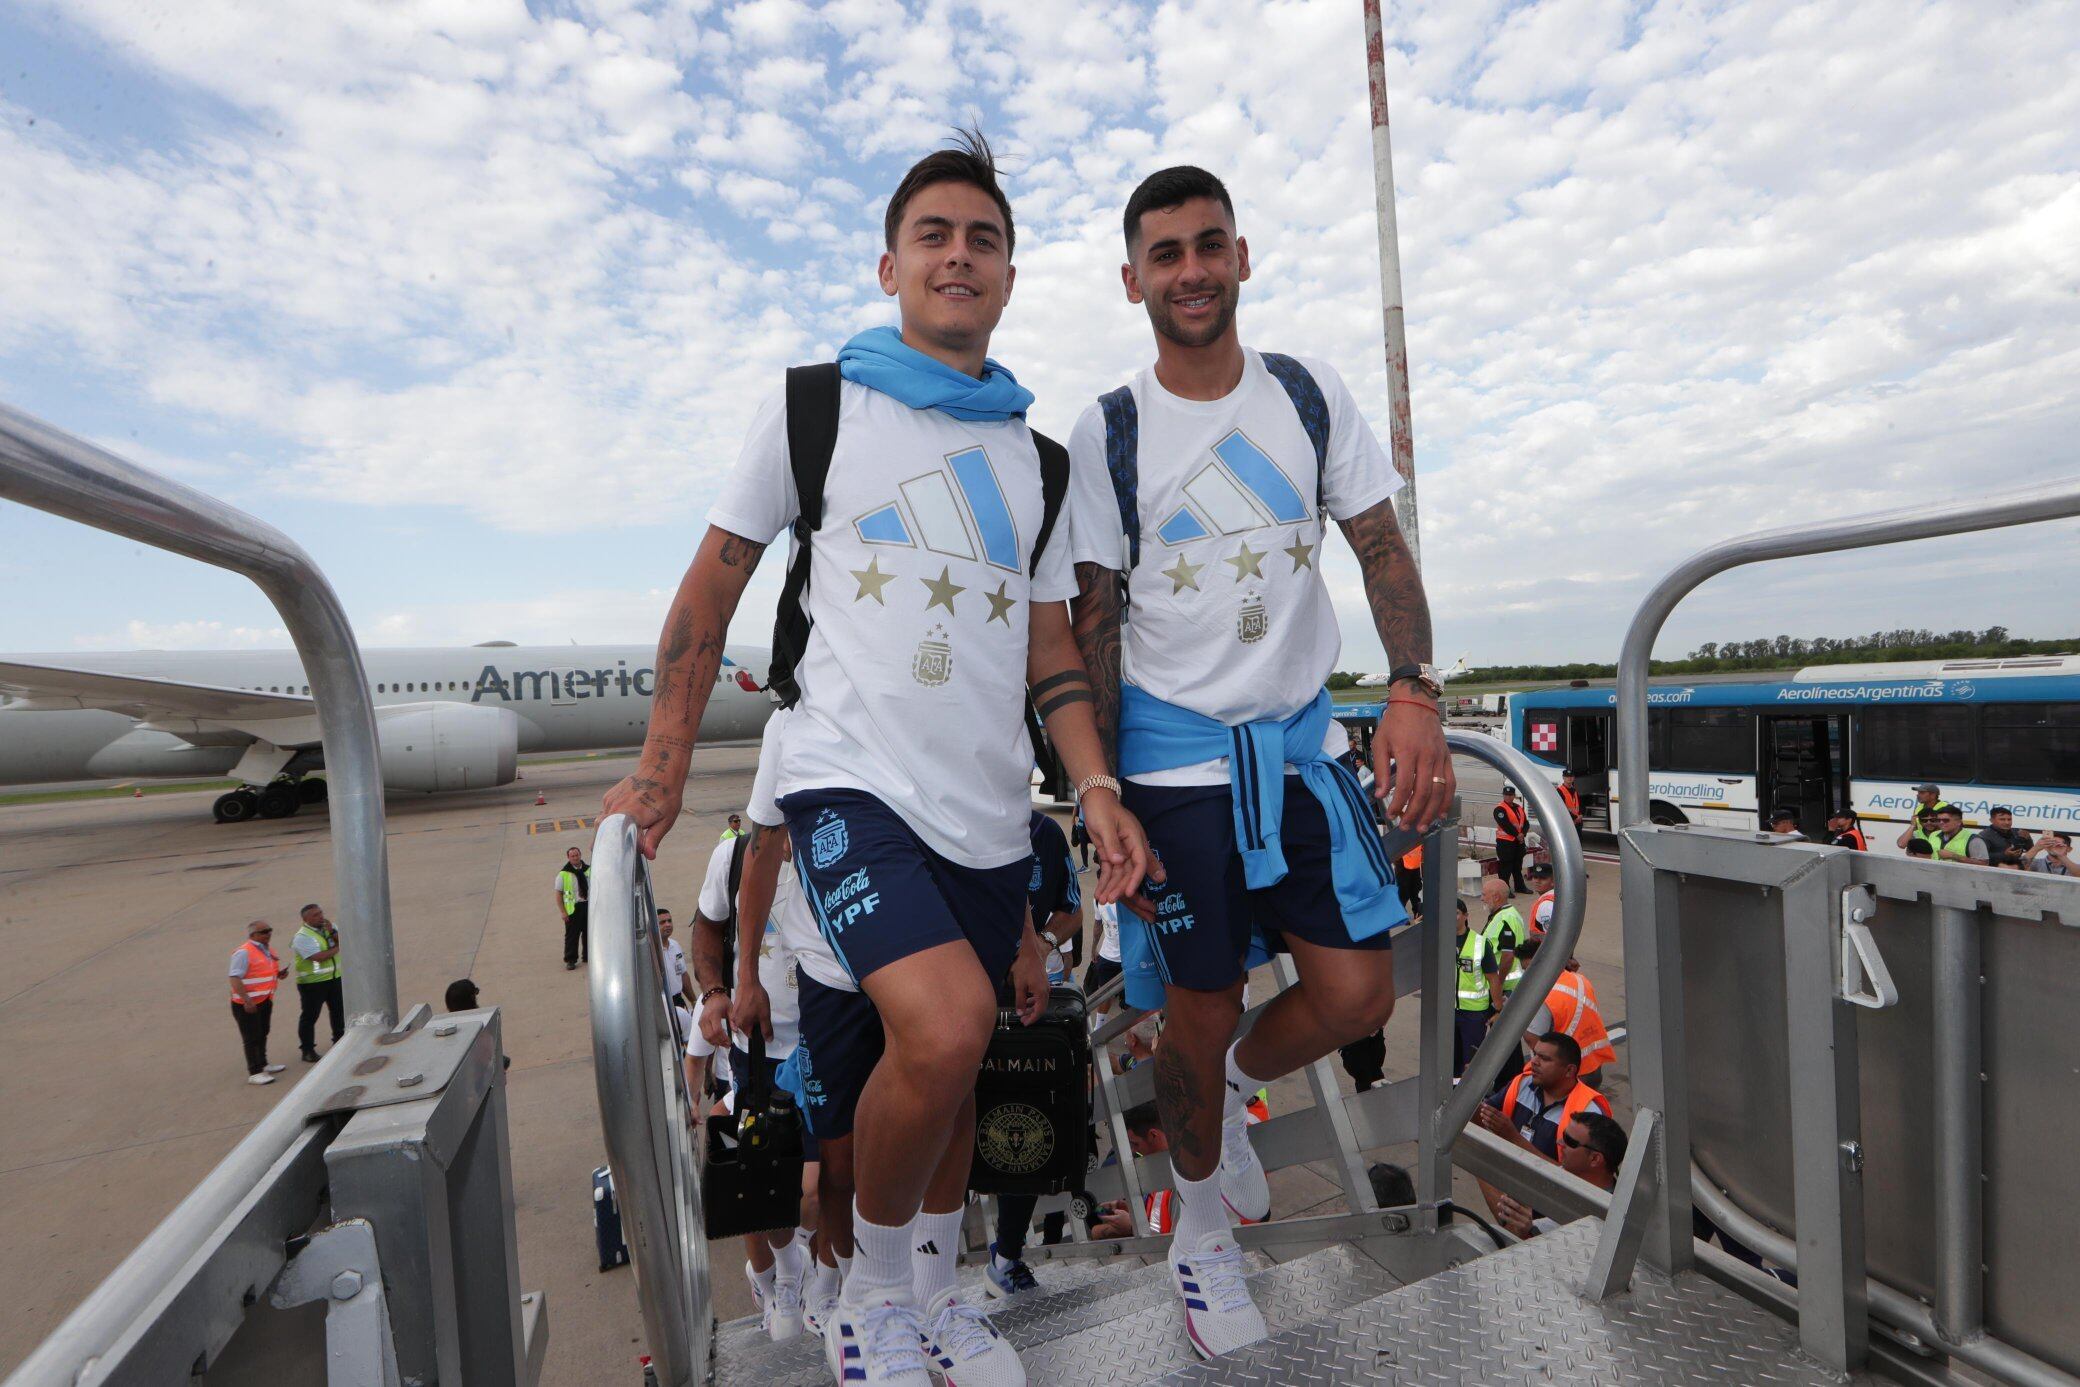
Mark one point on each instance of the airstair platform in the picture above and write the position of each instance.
(1337, 1317)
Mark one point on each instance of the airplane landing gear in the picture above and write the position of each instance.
(237, 806)
(279, 801)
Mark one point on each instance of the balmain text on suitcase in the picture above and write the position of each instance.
(1032, 1101)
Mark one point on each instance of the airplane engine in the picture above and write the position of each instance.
(447, 746)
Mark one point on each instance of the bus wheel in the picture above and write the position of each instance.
(1666, 815)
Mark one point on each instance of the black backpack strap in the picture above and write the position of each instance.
(729, 926)
(1310, 404)
(1123, 461)
(1054, 486)
(812, 435)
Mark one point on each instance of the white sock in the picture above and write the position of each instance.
(763, 1278)
(1201, 1210)
(804, 1236)
(935, 1241)
(844, 1269)
(880, 1267)
(791, 1261)
(1240, 1087)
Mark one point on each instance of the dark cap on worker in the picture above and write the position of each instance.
(1780, 814)
(1841, 811)
(1538, 869)
(1930, 786)
(1509, 791)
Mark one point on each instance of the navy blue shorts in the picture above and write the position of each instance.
(1206, 912)
(880, 895)
(740, 1065)
(841, 1044)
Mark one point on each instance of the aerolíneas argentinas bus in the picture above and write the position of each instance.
(1725, 751)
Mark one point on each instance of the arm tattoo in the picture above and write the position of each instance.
(707, 952)
(1393, 584)
(1095, 618)
(738, 552)
(1056, 681)
(1054, 703)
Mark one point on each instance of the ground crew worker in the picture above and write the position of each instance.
(1409, 880)
(1592, 1148)
(573, 883)
(1541, 920)
(1572, 798)
(1843, 831)
(316, 950)
(1571, 1009)
(735, 829)
(1505, 930)
(1510, 820)
(1928, 802)
(254, 972)
(1531, 1109)
(1784, 820)
(1477, 994)
(1951, 841)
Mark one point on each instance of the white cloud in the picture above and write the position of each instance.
(187, 635)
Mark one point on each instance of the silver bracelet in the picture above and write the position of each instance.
(1096, 782)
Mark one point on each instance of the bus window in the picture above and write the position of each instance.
(1718, 740)
(2030, 744)
(1906, 743)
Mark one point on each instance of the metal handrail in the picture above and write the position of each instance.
(645, 1110)
(2061, 500)
(50, 470)
(1570, 904)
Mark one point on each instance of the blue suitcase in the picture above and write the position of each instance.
(606, 1221)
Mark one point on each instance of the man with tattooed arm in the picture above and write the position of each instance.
(1199, 495)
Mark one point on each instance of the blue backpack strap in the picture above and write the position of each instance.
(1309, 403)
(1122, 459)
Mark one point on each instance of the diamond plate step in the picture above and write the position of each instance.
(1514, 1318)
(1074, 1292)
(1142, 1345)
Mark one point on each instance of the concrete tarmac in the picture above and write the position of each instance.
(120, 1070)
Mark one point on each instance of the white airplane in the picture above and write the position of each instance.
(450, 718)
(1375, 681)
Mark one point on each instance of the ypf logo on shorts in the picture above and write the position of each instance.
(828, 840)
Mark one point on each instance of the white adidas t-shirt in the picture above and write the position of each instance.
(1228, 613)
(914, 680)
(791, 911)
(1108, 938)
(775, 965)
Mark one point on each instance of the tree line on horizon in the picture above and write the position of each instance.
(1792, 652)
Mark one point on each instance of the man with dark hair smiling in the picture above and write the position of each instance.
(923, 601)
(1201, 494)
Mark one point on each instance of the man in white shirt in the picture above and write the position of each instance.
(1205, 487)
(931, 605)
(675, 972)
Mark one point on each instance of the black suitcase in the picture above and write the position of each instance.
(1032, 1101)
(752, 1179)
(606, 1221)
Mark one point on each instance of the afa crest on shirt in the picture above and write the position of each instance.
(932, 665)
(1251, 622)
(828, 840)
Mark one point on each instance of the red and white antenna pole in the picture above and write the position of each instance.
(1403, 443)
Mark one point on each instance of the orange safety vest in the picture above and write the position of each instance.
(1412, 860)
(1517, 818)
(1571, 799)
(1162, 1211)
(1575, 1013)
(1531, 923)
(261, 969)
(1854, 832)
(1578, 1101)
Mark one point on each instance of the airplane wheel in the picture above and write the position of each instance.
(236, 807)
(310, 790)
(279, 802)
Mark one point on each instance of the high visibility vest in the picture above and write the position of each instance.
(1493, 930)
(1572, 799)
(568, 880)
(1538, 931)
(1960, 841)
(261, 967)
(1856, 839)
(1575, 1013)
(309, 970)
(729, 833)
(1412, 860)
(1579, 1100)
(1473, 982)
(1162, 1210)
(1514, 812)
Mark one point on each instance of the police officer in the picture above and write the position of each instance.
(1505, 931)
(1510, 820)
(573, 884)
(1843, 831)
(1477, 993)
(316, 951)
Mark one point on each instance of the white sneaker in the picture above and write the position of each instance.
(1218, 1313)
(1245, 1189)
(276, 1068)
(819, 1297)
(783, 1313)
(881, 1347)
(260, 1078)
(967, 1349)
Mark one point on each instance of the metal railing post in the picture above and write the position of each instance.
(1440, 1018)
(1960, 1217)
(53, 471)
(1655, 1048)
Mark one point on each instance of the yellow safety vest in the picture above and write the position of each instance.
(568, 881)
(1960, 842)
(1493, 930)
(310, 970)
(1473, 980)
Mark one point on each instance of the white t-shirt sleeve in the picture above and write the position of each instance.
(764, 808)
(304, 945)
(1054, 577)
(239, 960)
(1357, 475)
(1093, 512)
(714, 899)
(758, 499)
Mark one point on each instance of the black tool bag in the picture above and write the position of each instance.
(1032, 1101)
(753, 1177)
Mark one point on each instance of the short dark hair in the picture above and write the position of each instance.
(969, 161)
(461, 995)
(1527, 948)
(312, 906)
(1171, 187)
(1143, 1117)
(1570, 1052)
(1998, 809)
(1606, 1138)
(1918, 847)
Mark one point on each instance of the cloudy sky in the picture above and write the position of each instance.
(475, 297)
